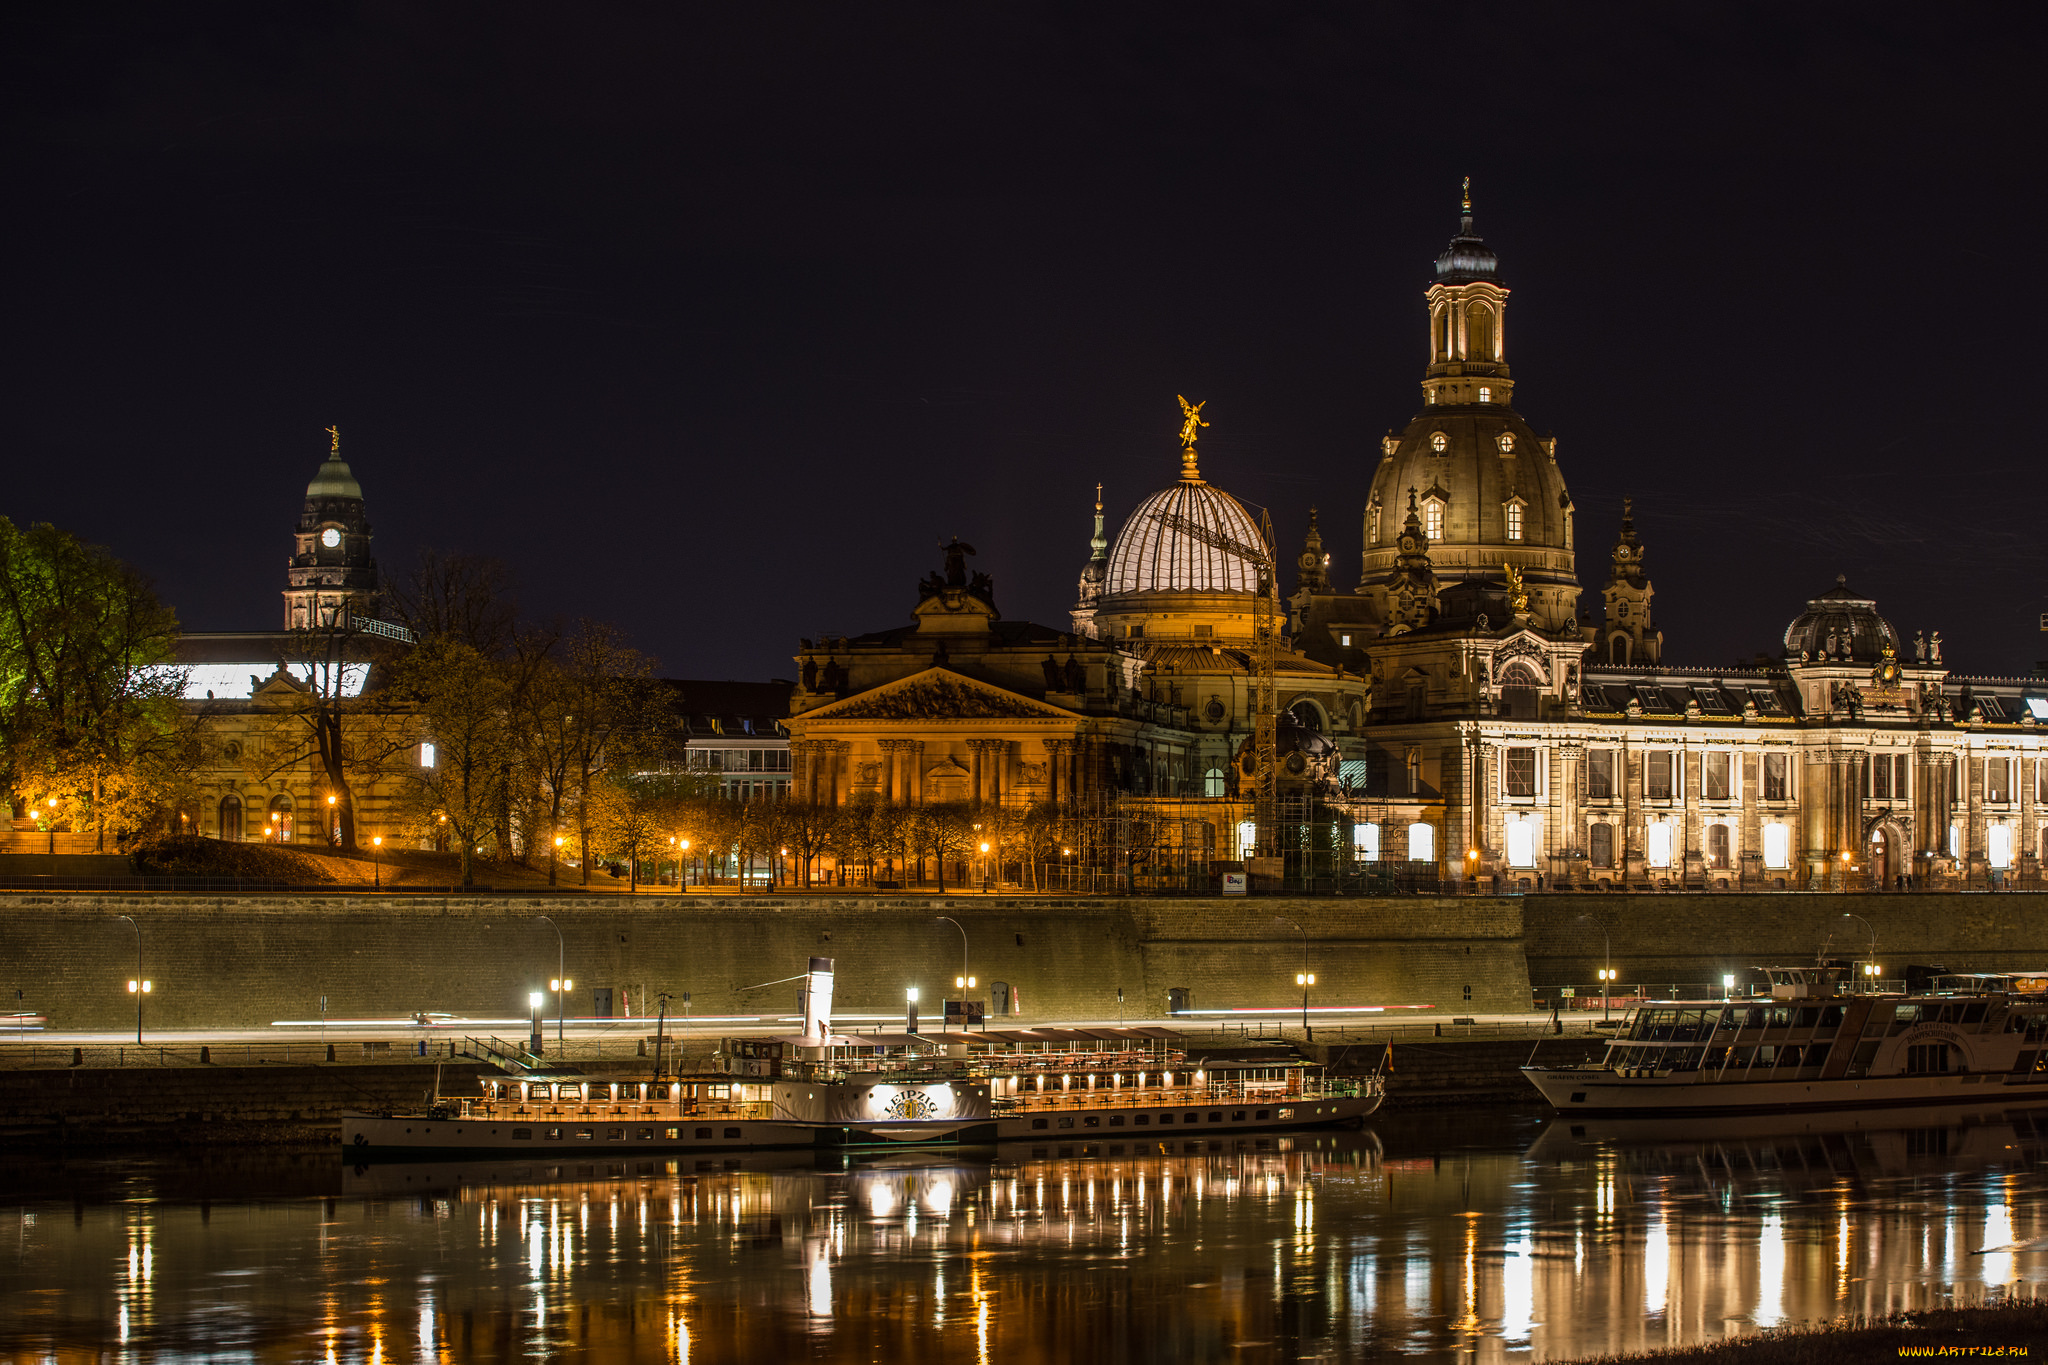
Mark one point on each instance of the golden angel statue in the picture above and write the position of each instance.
(1518, 596)
(1192, 421)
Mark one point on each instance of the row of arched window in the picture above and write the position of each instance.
(276, 825)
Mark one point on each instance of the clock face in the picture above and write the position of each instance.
(330, 537)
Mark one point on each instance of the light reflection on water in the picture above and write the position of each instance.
(1481, 1237)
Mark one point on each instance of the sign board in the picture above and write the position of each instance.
(1568, 992)
(1265, 867)
(1233, 883)
(966, 1011)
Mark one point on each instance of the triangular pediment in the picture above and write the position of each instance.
(938, 694)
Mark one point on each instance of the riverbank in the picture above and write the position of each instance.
(2001, 1330)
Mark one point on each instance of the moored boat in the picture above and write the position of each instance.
(1815, 1044)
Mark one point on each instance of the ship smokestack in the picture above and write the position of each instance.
(818, 1001)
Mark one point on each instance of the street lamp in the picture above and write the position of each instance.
(1304, 978)
(333, 832)
(963, 981)
(1850, 914)
(137, 985)
(376, 866)
(984, 865)
(561, 985)
(1606, 971)
(51, 825)
(533, 1042)
(910, 1009)
(1728, 985)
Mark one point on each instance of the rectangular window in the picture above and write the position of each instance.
(1600, 774)
(1777, 846)
(1660, 844)
(1603, 845)
(1521, 772)
(1521, 843)
(1774, 777)
(1714, 777)
(1718, 846)
(1881, 777)
(426, 755)
(1485, 394)
(1955, 841)
(1365, 843)
(1657, 774)
(1998, 845)
(1421, 843)
(1514, 521)
(1433, 520)
(1997, 783)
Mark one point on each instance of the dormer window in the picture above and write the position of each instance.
(1507, 440)
(1373, 517)
(1485, 394)
(1433, 520)
(1513, 517)
(1439, 442)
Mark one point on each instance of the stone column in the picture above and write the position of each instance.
(999, 761)
(913, 750)
(974, 747)
(1055, 780)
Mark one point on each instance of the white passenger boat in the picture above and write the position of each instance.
(1814, 1044)
(834, 1090)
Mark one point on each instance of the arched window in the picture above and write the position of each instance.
(1777, 846)
(1433, 519)
(1617, 650)
(1717, 846)
(1660, 843)
(280, 819)
(1602, 844)
(1421, 843)
(1521, 843)
(231, 818)
(1365, 842)
(1479, 332)
(1212, 782)
(1307, 715)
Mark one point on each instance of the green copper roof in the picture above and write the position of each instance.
(334, 481)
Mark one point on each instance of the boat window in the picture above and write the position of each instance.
(1738, 1058)
(1974, 1013)
(1831, 1017)
(522, 1134)
(1717, 1057)
(1767, 1055)
(1781, 1016)
(1806, 1017)
(1817, 1055)
(1788, 1056)
(1922, 1058)
(1757, 1017)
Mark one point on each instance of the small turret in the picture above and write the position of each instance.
(1313, 563)
(1093, 575)
(1630, 636)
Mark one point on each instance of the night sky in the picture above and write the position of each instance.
(713, 321)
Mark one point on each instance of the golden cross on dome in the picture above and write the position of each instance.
(335, 452)
(1468, 194)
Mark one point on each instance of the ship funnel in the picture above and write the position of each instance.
(818, 1001)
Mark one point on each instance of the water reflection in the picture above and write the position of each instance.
(1484, 1238)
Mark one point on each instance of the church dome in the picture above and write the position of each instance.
(334, 480)
(1187, 538)
(1840, 624)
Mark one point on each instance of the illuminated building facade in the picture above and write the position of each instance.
(1514, 734)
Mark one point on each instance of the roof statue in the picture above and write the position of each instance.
(1190, 431)
(1468, 194)
(1518, 595)
(956, 562)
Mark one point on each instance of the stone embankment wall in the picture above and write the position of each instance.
(1662, 941)
(224, 962)
(211, 1105)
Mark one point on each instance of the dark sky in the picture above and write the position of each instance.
(713, 320)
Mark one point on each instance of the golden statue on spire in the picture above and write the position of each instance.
(334, 452)
(1468, 194)
(1190, 431)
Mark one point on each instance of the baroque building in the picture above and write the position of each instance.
(1465, 711)
(1515, 735)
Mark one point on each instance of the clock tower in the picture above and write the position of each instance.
(331, 577)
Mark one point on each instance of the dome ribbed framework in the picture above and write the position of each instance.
(1843, 625)
(1187, 538)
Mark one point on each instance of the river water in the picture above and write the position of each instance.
(1489, 1235)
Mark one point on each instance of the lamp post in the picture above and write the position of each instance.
(533, 1041)
(137, 986)
(50, 824)
(1303, 978)
(1607, 970)
(561, 985)
(333, 831)
(963, 981)
(376, 865)
(984, 866)
(1850, 914)
(910, 1009)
